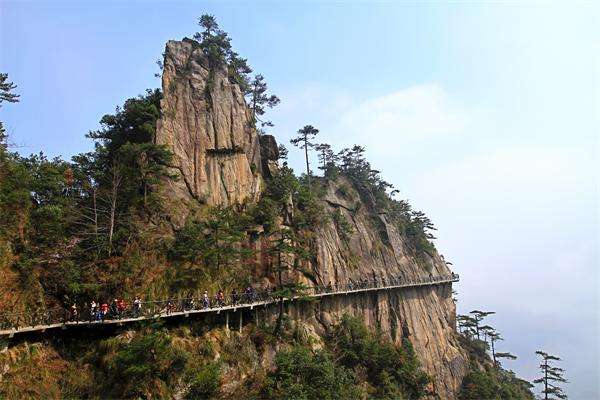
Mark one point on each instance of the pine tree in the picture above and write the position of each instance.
(506, 355)
(6, 89)
(326, 155)
(494, 337)
(303, 141)
(289, 253)
(216, 46)
(551, 376)
(259, 99)
(6, 94)
(479, 316)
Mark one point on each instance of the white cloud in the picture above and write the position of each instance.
(407, 115)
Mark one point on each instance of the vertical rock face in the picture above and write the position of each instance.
(219, 159)
(208, 127)
(376, 248)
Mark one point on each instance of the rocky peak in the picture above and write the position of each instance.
(208, 127)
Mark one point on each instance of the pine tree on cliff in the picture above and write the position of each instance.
(6, 94)
(303, 141)
(551, 376)
(289, 254)
(494, 337)
(479, 316)
(216, 46)
(506, 355)
(259, 99)
(327, 157)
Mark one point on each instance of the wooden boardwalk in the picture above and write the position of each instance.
(157, 309)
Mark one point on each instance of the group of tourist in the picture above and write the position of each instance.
(115, 309)
(119, 308)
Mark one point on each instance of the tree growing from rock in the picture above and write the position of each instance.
(304, 141)
(494, 337)
(551, 377)
(326, 155)
(216, 46)
(259, 100)
(289, 253)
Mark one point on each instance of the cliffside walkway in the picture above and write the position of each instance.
(12, 324)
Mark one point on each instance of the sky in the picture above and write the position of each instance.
(485, 115)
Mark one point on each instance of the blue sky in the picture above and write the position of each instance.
(484, 115)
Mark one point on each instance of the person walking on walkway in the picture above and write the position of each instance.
(221, 298)
(103, 311)
(74, 313)
(113, 309)
(205, 300)
(121, 307)
(137, 307)
(93, 310)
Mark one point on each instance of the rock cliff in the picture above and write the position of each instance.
(376, 248)
(208, 127)
(217, 158)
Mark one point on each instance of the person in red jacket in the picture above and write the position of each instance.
(104, 311)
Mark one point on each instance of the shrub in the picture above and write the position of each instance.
(302, 374)
(343, 227)
(393, 371)
(494, 384)
(205, 382)
(143, 366)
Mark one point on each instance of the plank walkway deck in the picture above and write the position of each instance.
(317, 292)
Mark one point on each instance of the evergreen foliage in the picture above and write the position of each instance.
(304, 141)
(391, 371)
(6, 94)
(355, 363)
(205, 382)
(494, 384)
(142, 367)
(259, 99)
(551, 377)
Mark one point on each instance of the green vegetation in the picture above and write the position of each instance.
(493, 384)
(344, 228)
(205, 382)
(258, 100)
(210, 247)
(304, 141)
(65, 224)
(390, 371)
(551, 377)
(353, 364)
(216, 46)
(141, 367)
(303, 374)
(6, 94)
(485, 379)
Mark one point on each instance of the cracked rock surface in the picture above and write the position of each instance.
(208, 127)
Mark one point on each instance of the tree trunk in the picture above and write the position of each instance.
(306, 157)
(95, 211)
(280, 283)
(116, 182)
(545, 379)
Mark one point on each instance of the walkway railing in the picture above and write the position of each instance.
(13, 323)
